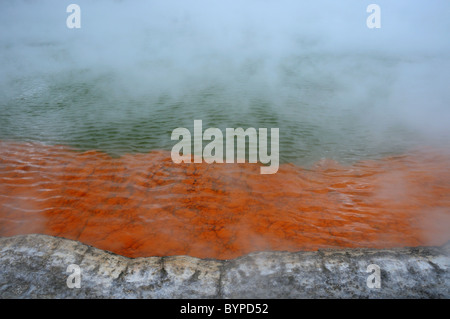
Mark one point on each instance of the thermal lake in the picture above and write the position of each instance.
(86, 117)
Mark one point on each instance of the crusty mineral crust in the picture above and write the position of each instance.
(34, 266)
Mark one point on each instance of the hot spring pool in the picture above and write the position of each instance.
(87, 115)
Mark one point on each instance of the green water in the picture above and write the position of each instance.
(81, 90)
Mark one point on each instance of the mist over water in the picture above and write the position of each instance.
(136, 70)
(362, 113)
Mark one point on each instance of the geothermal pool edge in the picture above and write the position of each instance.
(35, 266)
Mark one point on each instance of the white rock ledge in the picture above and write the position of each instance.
(34, 266)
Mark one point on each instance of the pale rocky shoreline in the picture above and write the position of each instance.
(34, 266)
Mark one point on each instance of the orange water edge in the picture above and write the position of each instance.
(145, 205)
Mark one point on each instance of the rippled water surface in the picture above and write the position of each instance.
(87, 115)
(318, 112)
(144, 205)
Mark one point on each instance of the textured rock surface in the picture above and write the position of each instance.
(34, 266)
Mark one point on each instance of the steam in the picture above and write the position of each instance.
(298, 53)
(314, 64)
(335, 88)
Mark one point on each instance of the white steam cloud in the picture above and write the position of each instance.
(319, 54)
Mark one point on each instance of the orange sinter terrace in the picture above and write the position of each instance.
(145, 205)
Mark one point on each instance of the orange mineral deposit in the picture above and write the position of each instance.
(145, 205)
